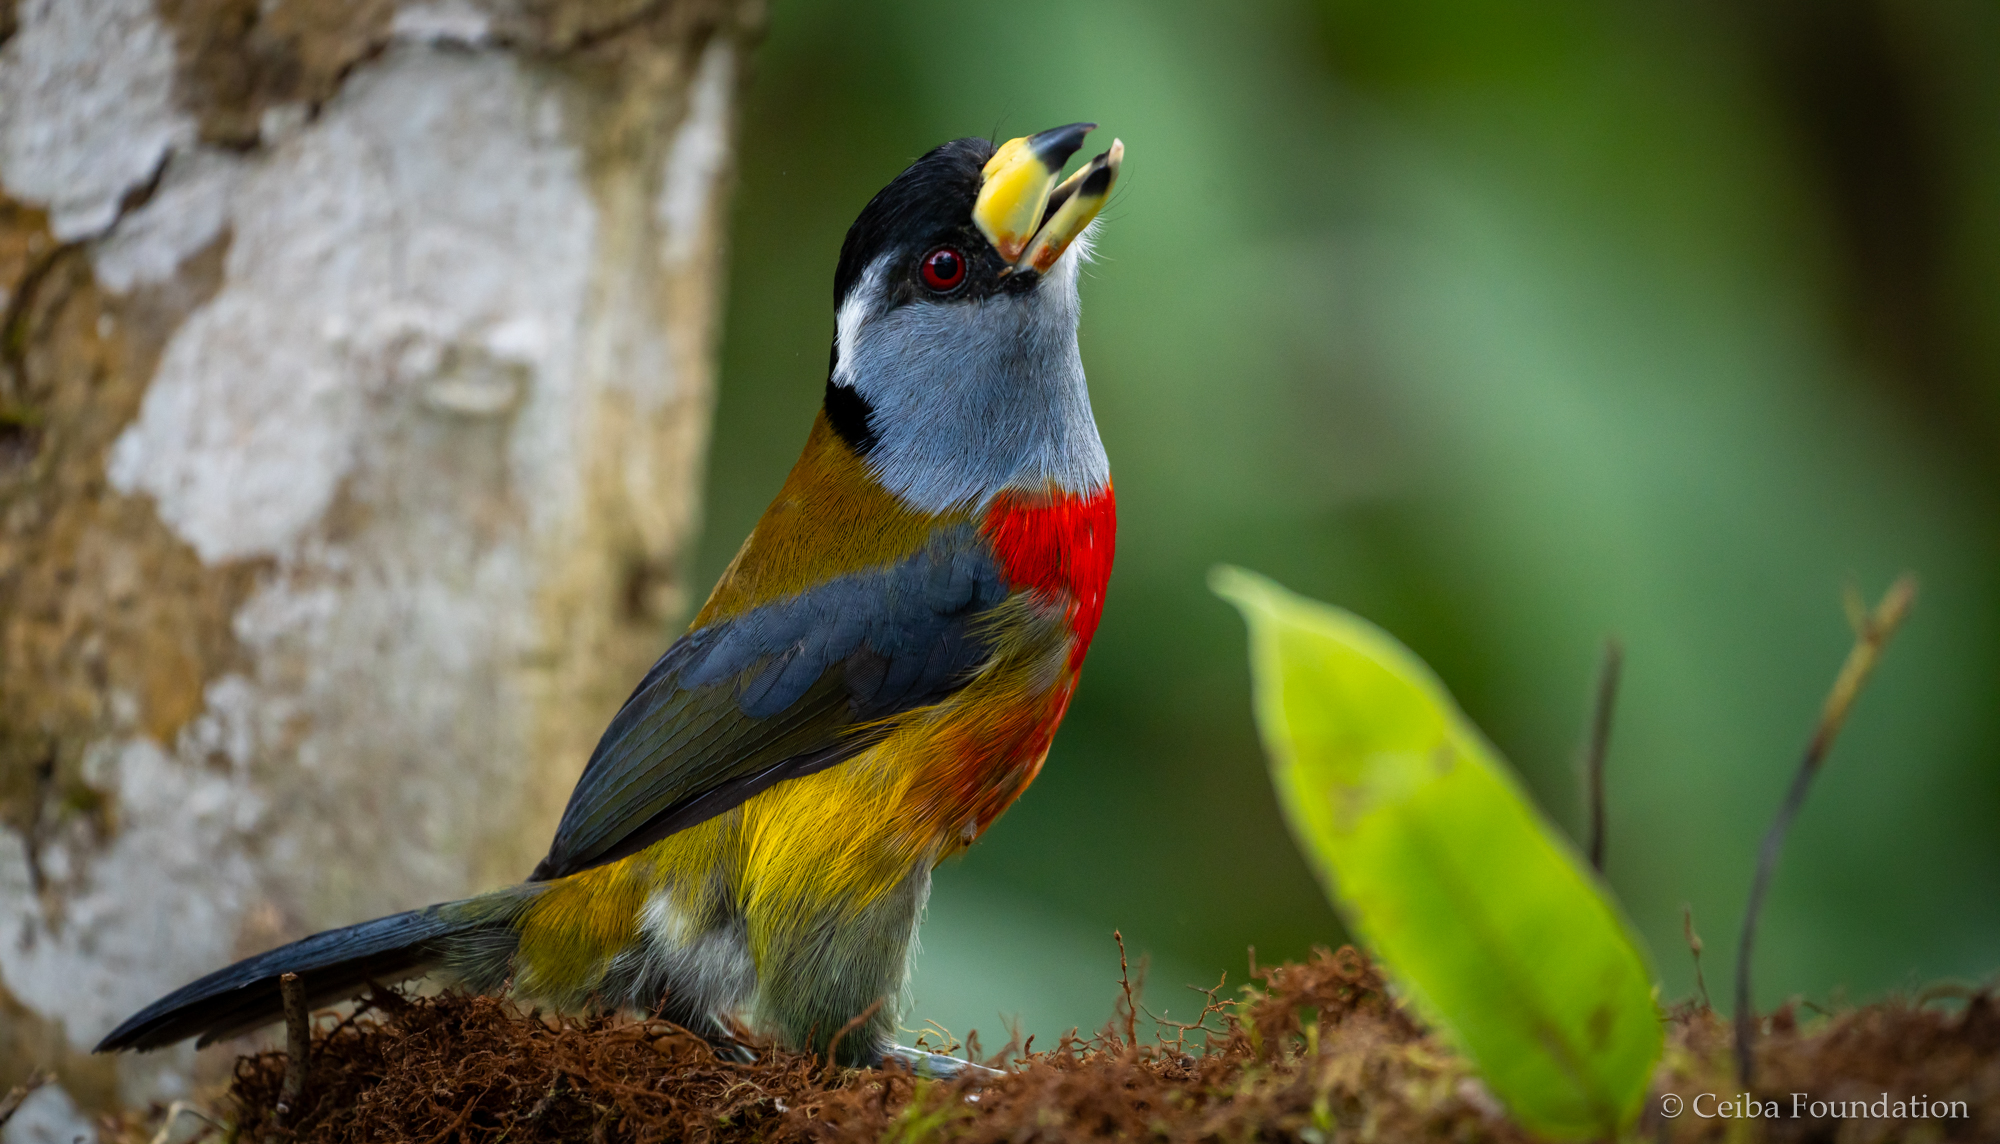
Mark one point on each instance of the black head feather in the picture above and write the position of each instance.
(929, 203)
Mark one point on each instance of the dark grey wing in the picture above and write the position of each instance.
(782, 690)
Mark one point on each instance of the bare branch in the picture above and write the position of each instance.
(18, 1095)
(1694, 947)
(1871, 635)
(298, 1045)
(1608, 672)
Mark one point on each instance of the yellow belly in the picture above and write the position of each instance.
(833, 841)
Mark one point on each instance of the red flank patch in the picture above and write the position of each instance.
(1061, 545)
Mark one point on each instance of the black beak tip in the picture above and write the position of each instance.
(1054, 146)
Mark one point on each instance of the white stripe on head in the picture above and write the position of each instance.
(860, 305)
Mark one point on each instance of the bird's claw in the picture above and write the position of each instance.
(936, 1066)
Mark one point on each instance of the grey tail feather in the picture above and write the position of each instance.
(472, 939)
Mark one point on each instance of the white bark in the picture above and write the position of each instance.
(446, 403)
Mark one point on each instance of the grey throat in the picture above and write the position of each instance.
(972, 398)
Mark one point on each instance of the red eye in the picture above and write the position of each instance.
(944, 269)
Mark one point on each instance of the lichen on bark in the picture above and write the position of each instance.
(348, 449)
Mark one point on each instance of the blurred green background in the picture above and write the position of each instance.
(1509, 326)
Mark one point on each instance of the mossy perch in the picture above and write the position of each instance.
(1313, 1052)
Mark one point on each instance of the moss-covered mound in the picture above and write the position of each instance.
(1316, 1052)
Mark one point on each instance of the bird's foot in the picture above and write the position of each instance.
(727, 1039)
(935, 1066)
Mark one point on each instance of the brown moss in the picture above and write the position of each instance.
(1898, 1048)
(1319, 1051)
(1317, 1047)
(1315, 1052)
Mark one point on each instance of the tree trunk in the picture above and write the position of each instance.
(354, 379)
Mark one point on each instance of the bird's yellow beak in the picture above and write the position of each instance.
(1023, 213)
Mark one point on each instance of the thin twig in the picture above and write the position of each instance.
(1871, 635)
(1210, 1007)
(175, 1111)
(1608, 671)
(946, 1045)
(298, 1044)
(1694, 947)
(1125, 983)
(853, 1023)
(16, 1096)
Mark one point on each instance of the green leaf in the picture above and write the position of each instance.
(1489, 921)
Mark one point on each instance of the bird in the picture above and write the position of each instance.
(875, 678)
